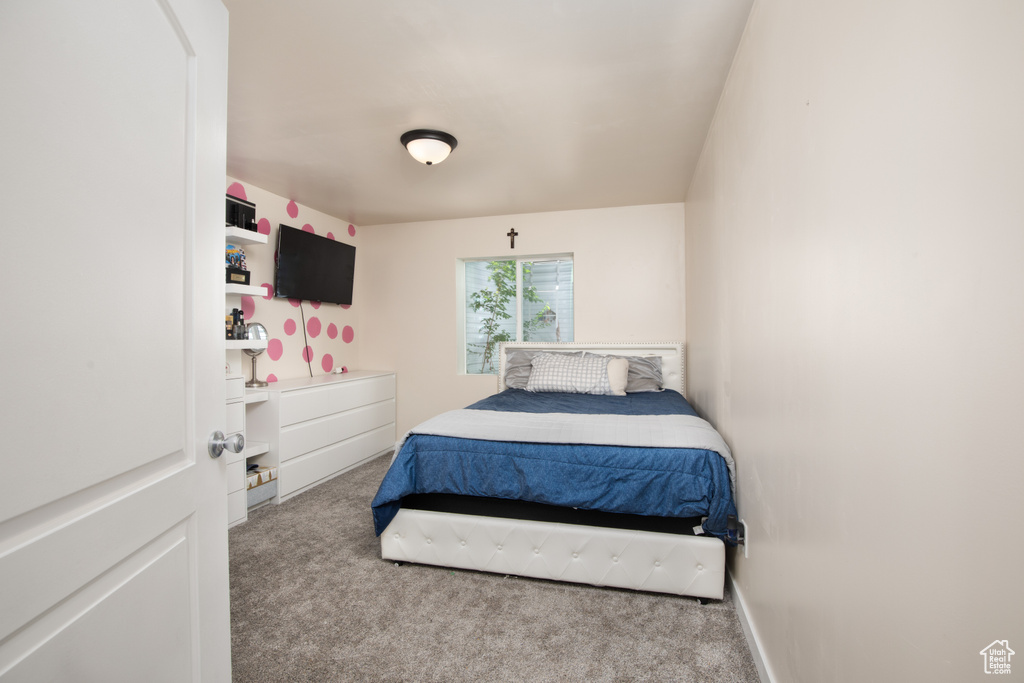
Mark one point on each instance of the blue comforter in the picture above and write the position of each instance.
(643, 403)
(663, 482)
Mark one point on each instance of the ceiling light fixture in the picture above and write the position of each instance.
(429, 146)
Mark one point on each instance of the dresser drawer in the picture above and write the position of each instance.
(236, 507)
(362, 393)
(236, 476)
(234, 415)
(302, 472)
(234, 388)
(308, 436)
(299, 406)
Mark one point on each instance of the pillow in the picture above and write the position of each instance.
(618, 372)
(583, 374)
(518, 365)
(644, 373)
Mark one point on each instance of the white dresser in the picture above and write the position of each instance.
(319, 427)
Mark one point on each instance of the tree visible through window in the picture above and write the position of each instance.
(515, 301)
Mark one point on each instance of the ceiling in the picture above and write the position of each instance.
(556, 104)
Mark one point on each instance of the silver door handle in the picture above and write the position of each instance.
(234, 443)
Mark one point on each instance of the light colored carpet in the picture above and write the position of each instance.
(311, 600)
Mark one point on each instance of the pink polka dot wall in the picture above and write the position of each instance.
(308, 336)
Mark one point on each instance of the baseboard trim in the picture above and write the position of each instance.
(753, 642)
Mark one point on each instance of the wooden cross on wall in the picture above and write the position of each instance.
(511, 234)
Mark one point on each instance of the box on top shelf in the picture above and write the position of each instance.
(240, 213)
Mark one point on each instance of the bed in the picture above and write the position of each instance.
(560, 476)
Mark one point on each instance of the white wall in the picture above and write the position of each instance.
(628, 279)
(855, 312)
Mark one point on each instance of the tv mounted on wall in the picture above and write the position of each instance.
(313, 267)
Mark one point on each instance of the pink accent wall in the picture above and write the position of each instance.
(327, 338)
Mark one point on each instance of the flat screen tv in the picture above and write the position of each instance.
(313, 267)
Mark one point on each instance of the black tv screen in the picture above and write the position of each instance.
(313, 267)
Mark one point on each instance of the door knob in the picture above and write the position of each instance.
(234, 443)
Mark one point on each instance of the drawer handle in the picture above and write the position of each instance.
(234, 443)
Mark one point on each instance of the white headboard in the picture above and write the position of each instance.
(673, 366)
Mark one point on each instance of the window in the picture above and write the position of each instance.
(514, 300)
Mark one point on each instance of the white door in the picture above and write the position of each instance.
(113, 541)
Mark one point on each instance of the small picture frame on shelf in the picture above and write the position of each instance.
(236, 276)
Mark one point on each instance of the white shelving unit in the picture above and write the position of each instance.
(256, 396)
(235, 235)
(251, 290)
(254, 449)
(239, 344)
(239, 398)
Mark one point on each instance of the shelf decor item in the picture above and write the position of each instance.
(236, 276)
(258, 332)
(240, 213)
(234, 264)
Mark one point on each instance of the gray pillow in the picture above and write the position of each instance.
(519, 365)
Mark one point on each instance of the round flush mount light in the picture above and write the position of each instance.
(429, 146)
